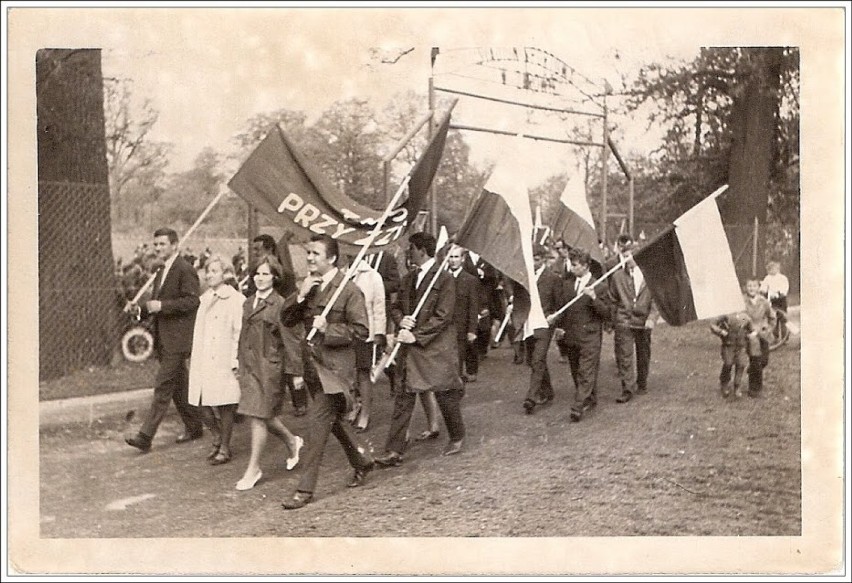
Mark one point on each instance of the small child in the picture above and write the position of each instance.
(734, 330)
(762, 317)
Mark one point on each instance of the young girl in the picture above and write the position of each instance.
(260, 354)
(212, 371)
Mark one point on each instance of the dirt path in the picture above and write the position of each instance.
(677, 461)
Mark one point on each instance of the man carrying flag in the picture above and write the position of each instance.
(329, 360)
(498, 225)
(581, 327)
(429, 354)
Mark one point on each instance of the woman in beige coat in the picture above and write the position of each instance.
(213, 384)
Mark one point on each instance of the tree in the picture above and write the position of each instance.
(136, 163)
(457, 182)
(292, 122)
(191, 191)
(733, 117)
(348, 131)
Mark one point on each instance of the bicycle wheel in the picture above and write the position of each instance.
(780, 334)
(137, 344)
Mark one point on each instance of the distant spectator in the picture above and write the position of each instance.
(775, 286)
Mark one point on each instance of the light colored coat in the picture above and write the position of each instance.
(215, 341)
(369, 281)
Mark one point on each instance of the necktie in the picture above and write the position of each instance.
(158, 283)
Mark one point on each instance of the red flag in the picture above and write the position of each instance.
(573, 222)
(499, 228)
(284, 185)
(689, 268)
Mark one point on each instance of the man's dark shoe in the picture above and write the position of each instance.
(359, 476)
(299, 500)
(189, 436)
(427, 435)
(139, 441)
(641, 390)
(625, 397)
(544, 400)
(390, 459)
(576, 415)
(529, 405)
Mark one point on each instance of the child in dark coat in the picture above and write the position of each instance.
(734, 330)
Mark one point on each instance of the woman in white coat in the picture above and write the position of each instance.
(213, 384)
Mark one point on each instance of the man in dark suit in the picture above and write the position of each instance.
(329, 359)
(172, 305)
(634, 315)
(537, 345)
(581, 326)
(466, 313)
(429, 355)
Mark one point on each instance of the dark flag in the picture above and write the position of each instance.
(279, 180)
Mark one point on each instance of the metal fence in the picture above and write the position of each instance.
(79, 298)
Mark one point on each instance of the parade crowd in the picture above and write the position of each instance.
(252, 339)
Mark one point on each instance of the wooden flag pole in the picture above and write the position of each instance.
(388, 358)
(183, 240)
(361, 252)
(617, 266)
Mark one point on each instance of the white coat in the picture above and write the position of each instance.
(215, 341)
(370, 283)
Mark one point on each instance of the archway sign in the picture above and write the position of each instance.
(543, 85)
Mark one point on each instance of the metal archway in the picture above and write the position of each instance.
(554, 85)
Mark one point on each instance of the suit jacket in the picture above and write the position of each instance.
(630, 308)
(178, 295)
(550, 291)
(467, 304)
(583, 321)
(331, 353)
(431, 362)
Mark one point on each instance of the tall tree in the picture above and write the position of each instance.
(136, 163)
(732, 115)
(350, 158)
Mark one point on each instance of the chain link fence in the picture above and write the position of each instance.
(79, 299)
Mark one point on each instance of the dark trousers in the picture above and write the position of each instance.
(172, 385)
(584, 359)
(468, 356)
(403, 407)
(630, 343)
(756, 364)
(537, 346)
(327, 417)
(734, 359)
(299, 397)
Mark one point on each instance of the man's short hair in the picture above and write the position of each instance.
(424, 242)
(624, 239)
(332, 249)
(267, 241)
(540, 251)
(166, 232)
(581, 256)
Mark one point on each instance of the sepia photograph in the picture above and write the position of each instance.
(425, 289)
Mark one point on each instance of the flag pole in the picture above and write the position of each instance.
(388, 358)
(503, 324)
(183, 240)
(361, 252)
(617, 266)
